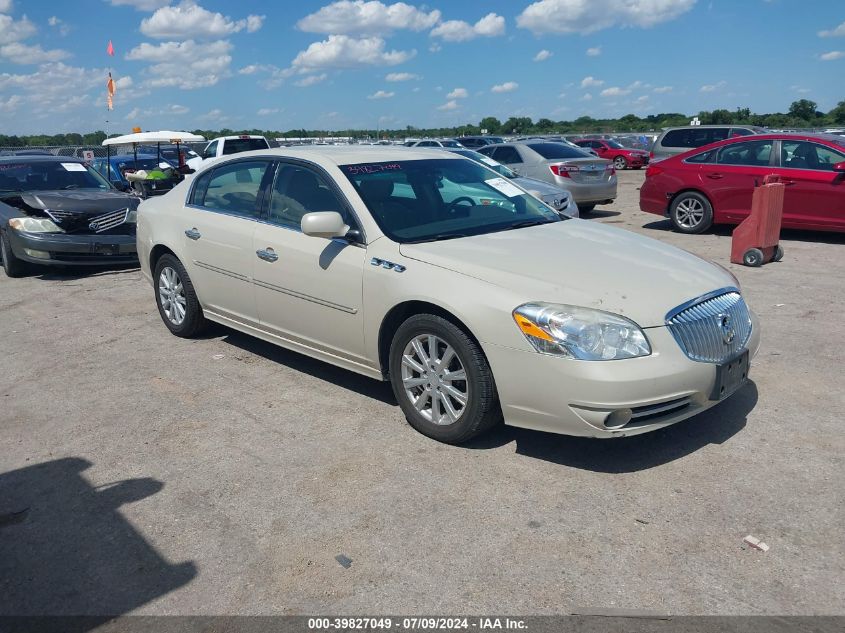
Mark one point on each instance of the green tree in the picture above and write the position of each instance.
(491, 124)
(837, 115)
(803, 109)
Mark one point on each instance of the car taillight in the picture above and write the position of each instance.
(651, 154)
(564, 171)
(653, 170)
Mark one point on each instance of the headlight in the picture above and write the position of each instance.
(35, 225)
(132, 216)
(580, 333)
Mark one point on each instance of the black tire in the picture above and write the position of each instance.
(586, 208)
(193, 321)
(691, 212)
(481, 411)
(753, 257)
(620, 163)
(12, 266)
(778, 253)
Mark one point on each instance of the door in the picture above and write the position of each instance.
(219, 223)
(309, 289)
(730, 182)
(815, 194)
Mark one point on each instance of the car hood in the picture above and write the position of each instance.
(86, 201)
(581, 263)
(543, 188)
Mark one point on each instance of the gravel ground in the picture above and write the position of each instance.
(148, 474)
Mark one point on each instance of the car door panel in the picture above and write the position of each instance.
(815, 194)
(731, 180)
(311, 293)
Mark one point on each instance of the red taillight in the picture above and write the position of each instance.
(653, 170)
(651, 154)
(563, 171)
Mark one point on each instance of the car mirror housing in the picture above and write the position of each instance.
(326, 224)
(839, 167)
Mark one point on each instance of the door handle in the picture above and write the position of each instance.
(267, 254)
(193, 234)
(789, 183)
(715, 176)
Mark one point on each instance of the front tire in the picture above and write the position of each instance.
(442, 380)
(691, 212)
(12, 266)
(176, 298)
(620, 163)
(586, 208)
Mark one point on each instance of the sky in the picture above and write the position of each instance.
(283, 64)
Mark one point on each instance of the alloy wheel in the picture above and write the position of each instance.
(172, 295)
(689, 213)
(434, 379)
(620, 163)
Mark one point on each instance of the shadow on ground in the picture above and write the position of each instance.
(70, 273)
(631, 454)
(66, 550)
(786, 235)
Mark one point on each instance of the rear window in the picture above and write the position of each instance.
(238, 145)
(694, 137)
(556, 150)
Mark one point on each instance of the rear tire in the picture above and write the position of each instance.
(442, 380)
(12, 266)
(620, 163)
(691, 212)
(176, 298)
(586, 208)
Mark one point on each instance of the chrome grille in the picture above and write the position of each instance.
(713, 329)
(108, 220)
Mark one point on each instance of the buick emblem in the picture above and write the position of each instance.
(727, 328)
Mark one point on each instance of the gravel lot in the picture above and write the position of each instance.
(144, 473)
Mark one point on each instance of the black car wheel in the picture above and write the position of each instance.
(12, 266)
(691, 212)
(442, 380)
(586, 208)
(176, 298)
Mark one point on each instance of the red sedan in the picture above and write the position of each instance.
(622, 157)
(713, 184)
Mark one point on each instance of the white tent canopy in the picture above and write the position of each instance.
(164, 136)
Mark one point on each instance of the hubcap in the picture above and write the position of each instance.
(689, 213)
(172, 295)
(620, 162)
(434, 379)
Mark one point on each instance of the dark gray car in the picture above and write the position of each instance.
(590, 180)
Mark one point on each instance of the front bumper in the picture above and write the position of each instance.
(71, 249)
(547, 393)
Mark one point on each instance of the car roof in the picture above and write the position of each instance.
(348, 154)
(40, 158)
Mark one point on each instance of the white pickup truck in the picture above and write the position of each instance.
(225, 145)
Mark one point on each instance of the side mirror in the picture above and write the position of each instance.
(326, 224)
(839, 167)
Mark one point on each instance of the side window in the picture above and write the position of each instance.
(487, 150)
(676, 138)
(210, 150)
(233, 188)
(751, 153)
(200, 187)
(806, 155)
(507, 155)
(297, 191)
(427, 144)
(596, 145)
(703, 157)
(741, 131)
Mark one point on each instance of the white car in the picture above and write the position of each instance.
(478, 302)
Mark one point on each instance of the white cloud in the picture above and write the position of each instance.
(449, 105)
(582, 16)
(542, 56)
(401, 77)
(839, 31)
(587, 97)
(141, 5)
(491, 25)
(179, 109)
(215, 115)
(311, 80)
(63, 27)
(594, 51)
(712, 87)
(11, 104)
(508, 86)
(267, 111)
(5, 6)
(189, 20)
(251, 69)
(367, 18)
(185, 65)
(15, 31)
(832, 55)
(588, 82)
(381, 94)
(458, 93)
(342, 51)
(800, 90)
(663, 89)
(615, 91)
(18, 53)
(435, 47)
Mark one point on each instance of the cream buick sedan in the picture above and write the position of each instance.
(474, 299)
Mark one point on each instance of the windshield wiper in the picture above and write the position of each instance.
(527, 223)
(437, 238)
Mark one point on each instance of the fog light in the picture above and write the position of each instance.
(618, 419)
(37, 254)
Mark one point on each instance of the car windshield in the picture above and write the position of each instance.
(437, 199)
(46, 175)
(615, 145)
(478, 157)
(238, 145)
(556, 150)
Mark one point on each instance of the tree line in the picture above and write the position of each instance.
(801, 114)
